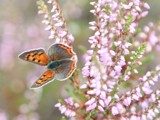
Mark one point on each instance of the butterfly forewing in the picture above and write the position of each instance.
(37, 56)
(60, 51)
(65, 70)
(47, 77)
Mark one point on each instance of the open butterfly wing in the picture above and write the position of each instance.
(47, 77)
(65, 70)
(60, 51)
(37, 56)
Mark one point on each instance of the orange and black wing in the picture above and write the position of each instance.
(60, 51)
(47, 77)
(37, 56)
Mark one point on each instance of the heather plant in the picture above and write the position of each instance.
(114, 85)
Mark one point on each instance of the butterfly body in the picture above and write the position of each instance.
(54, 64)
(60, 62)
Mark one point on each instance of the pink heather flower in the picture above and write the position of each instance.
(112, 53)
(105, 57)
(3, 116)
(85, 71)
(104, 41)
(144, 14)
(151, 82)
(91, 101)
(123, 118)
(144, 117)
(144, 104)
(103, 95)
(113, 5)
(125, 6)
(156, 110)
(146, 89)
(152, 98)
(117, 43)
(126, 77)
(127, 101)
(135, 97)
(127, 44)
(58, 105)
(69, 113)
(138, 92)
(69, 101)
(112, 73)
(105, 89)
(153, 39)
(138, 8)
(150, 114)
(126, 51)
(155, 79)
(62, 109)
(132, 28)
(84, 86)
(136, 2)
(119, 26)
(101, 103)
(120, 108)
(146, 29)
(62, 33)
(134, 118)
(115, 110)
(108, 100)
(65, 109)
(93, 72)
(118, 68)
(91, 107)
(113, 17)
(122, 61)
(146, 6)
(100, 108)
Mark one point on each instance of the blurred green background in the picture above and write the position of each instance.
(21, 29)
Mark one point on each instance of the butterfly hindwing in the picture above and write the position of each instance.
(37, 56)
(65, 70)
(47, 77)
(60, 51)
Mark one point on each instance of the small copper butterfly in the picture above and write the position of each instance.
(60, 61)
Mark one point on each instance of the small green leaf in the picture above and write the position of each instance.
(138, 30)
(121, 12)
(126, 27)
(107, 10)
(63, 118)
(40, 4)
(129, 19)
(126, 84)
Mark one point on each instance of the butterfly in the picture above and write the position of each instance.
(60, 61)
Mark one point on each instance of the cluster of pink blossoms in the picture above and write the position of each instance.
(113, 59)
(105, 61)
(150, 35)
(55, 22)
(68, 108)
